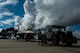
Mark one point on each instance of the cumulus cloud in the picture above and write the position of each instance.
(51, 12)
(26, 20)
(77, 34)
(7, 22)
(0, 29)
(5, 14)
(17, 21)
(4, 11)
(7, 2)
(30, 14)
(57, 12)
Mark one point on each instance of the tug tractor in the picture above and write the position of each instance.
(58, 34)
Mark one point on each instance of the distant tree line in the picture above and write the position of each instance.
(8, 32)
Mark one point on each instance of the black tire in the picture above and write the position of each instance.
(43, 40)
(55, 41)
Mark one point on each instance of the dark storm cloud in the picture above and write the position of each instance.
(58, 12)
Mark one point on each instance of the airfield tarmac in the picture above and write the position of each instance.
(12, 46)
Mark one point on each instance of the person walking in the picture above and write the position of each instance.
(39, 36)
(17, 36)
